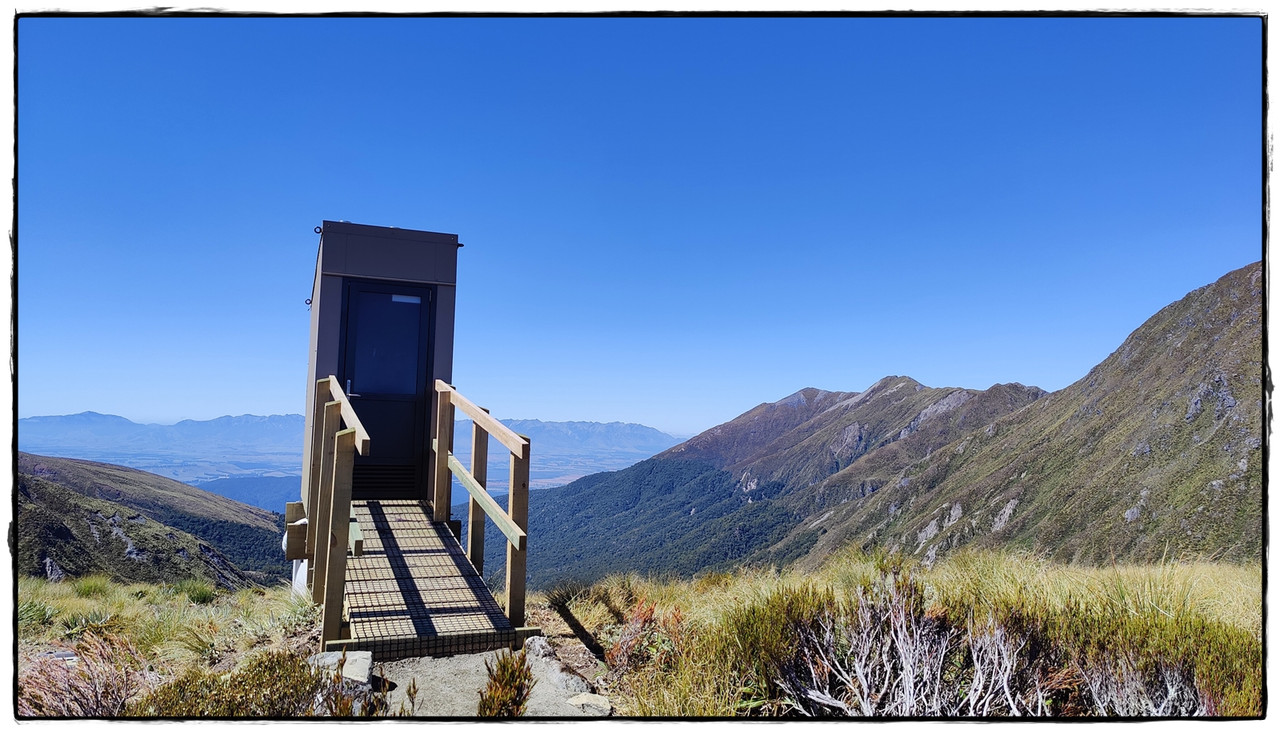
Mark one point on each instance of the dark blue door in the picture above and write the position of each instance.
(385, 371)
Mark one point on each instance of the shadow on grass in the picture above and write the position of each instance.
(581, 632)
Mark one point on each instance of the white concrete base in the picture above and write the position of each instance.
(300, 578)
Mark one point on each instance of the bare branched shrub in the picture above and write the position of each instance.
(883, 654)
(106, 674)
(879, 655)
(1118, 687)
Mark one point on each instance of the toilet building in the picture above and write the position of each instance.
(382, 312)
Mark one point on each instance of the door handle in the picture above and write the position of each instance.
(349, 394)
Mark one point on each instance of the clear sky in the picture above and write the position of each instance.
(666, 220)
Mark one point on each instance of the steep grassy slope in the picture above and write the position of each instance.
(1156, 451)
(84, 516)
(63, 533)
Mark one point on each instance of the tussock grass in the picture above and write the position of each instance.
(1164, 639)
(91, 586)
(197, 591)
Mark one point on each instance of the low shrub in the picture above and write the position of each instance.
(511, 680)
(106, 673)
(34, 613)
(275, 684)
(94, 621)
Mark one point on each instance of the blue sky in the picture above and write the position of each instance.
(666, 221)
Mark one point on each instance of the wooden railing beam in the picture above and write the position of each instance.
(476, 511)
(488, 506)
(349, 416)
(442, 484)
(518, 510)
(324, 508)
(515, 522)
(337, 530)
(312, 497)
(495, 428)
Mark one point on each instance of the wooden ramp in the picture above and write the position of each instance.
(412, 592)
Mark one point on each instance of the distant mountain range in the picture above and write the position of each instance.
(77, 517)
(1155, 452)
(563, 451)
(190, 451)
(258, 459)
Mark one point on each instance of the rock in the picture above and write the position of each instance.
(928, 532)
(1193, 409)
(594, 704)
(544, 660)
(1003, 518)
(65, 656)
(358, 667)
(52, 571)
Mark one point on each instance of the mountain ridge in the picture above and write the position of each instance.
(1166, 433)
(906, 467)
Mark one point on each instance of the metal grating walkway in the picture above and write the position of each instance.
(413, 592)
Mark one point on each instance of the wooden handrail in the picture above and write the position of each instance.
(514, 521)
(327, 499)
(514, 534)
(495, 428)
(349, 416)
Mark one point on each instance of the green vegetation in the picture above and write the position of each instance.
(84, 518)
(981, 634)
(666, 516)
(158, 619)
(87, 586)
(251, 548)
(174, 650)
(506, 694)
(199, 592)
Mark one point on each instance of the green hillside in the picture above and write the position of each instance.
(1156, 452)
(79, 517)
(715, 500)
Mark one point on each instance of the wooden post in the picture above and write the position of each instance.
(518, 509)
(444, 444)
(337, 528)
(324, 501)
(475, 513)
(311, 485)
